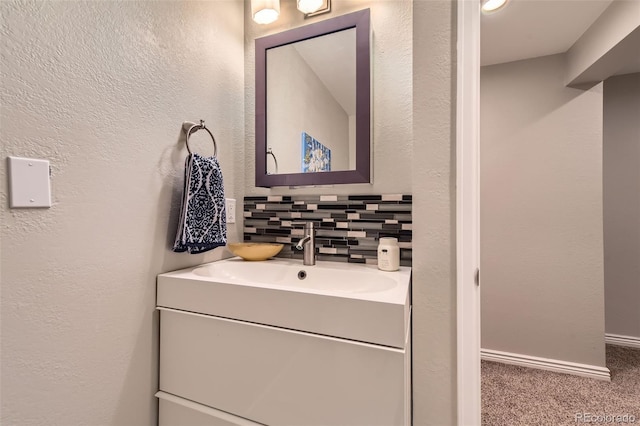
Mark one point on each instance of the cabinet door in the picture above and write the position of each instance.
(280, 377)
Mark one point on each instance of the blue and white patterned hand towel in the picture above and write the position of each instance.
(203, 222)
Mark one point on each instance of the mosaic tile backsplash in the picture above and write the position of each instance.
(347, 226)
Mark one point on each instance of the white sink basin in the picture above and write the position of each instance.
(323, 277)
(353, 301)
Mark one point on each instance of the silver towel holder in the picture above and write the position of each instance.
(275, 160)
(190, 127)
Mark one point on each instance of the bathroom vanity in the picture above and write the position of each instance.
(279, 343)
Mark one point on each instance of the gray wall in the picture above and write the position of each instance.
(541, 213)
(434, 213)
(413, 134)
(622, 204)
(101, 90)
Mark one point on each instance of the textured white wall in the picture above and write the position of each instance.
(621, 165)
(541, 213)
(101, 89)
(434, 213)
(392, 98)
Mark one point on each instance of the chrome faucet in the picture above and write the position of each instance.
(308, 244)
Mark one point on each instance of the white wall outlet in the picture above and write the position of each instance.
(230, 204)
(29, 183)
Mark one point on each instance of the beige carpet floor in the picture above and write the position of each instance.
(513, 396)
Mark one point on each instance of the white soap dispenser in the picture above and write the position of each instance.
(388, 254)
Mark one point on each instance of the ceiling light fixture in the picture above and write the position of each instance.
(265, 11)
(490, 6)
(309, 6)
(312, 8)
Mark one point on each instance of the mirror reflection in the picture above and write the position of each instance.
(311, 104)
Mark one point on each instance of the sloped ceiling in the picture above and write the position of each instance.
(532, 28)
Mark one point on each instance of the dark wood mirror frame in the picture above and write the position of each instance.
(362, 173)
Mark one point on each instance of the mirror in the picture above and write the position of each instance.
(313, 104)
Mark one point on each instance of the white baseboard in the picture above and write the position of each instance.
(557, 366)
(619, 340)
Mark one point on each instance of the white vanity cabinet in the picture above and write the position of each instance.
(217, 370)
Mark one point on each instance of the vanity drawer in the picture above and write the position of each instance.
(175, 411)
(281, 377)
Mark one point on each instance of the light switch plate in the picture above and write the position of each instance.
(231, 209)
(29, 183)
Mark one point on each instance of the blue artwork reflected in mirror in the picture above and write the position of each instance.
(315, 156)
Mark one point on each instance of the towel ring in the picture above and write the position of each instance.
(275, 160)
(189, 127)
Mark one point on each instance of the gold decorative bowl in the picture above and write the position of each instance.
(255, 251)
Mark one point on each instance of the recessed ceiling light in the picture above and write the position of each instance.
(490, 6)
